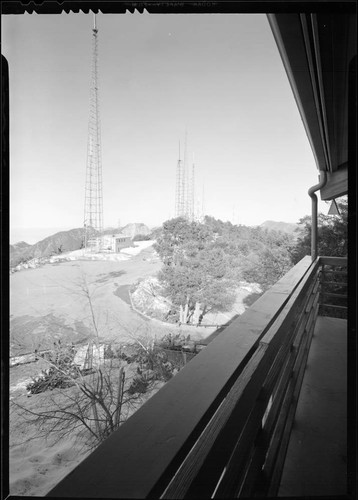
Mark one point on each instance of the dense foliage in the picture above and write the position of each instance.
(203, 262)
(332, 234)
(141, 237)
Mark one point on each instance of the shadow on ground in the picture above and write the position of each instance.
(123, 293)
(113, 274)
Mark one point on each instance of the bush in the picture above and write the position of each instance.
(49, 380)
(60, 375)
(139, 385)
(175, 342)
(141, 237)
(109, 353)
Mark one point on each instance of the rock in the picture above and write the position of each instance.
(147, 299)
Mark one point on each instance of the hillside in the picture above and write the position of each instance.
(284, 227)
(21, 245)
(64, 241)
(112, 230)
(135, 228)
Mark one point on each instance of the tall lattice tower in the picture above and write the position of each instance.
(191, 193)
(184, 192)
(186, 178)
(93, 213)
(179, 189)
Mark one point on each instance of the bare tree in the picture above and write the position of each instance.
(88, 406)
(90, 401)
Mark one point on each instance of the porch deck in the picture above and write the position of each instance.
(316, 460)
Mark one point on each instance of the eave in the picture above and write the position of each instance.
(318, 51)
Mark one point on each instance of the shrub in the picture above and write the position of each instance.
(50, 379)
(141, 237)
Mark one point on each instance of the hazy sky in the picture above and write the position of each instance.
(219, 76)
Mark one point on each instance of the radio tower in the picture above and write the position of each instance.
(191, 193)
(185, 212)
(93, 213)
(184, 191)
(179, 194)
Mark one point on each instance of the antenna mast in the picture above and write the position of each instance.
(93, 212)
(179, 193)
(191, 198)
(185, 179)
(185, 186)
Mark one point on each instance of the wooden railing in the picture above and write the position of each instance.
(333, 300)
(220, 427)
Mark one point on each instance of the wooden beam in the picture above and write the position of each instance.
(336, 185)
(333, 261)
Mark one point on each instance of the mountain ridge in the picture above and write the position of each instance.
(283, 227)
(65, 241)
(62, 241)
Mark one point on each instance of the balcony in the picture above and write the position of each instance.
(261, 411)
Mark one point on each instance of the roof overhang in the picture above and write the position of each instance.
(318, 51)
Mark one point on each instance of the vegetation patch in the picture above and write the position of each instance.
(204, 262)
(89, 402)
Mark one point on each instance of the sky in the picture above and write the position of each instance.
(220, 77)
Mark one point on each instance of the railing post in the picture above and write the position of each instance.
(322, 284)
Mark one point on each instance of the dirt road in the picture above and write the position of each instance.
(49, 303)
(52, 303)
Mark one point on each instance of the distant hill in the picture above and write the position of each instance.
(284, 227)
(112, 230)
(64, 241)
(21, 245)
(135, 228)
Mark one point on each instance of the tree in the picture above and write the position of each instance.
(178, 235)
(266, 258)
(205, 278)
(195, 270)
(331, 236)
(267, 266)
(204, 262)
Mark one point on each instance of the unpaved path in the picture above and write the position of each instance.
(51, 303)
(46, 304)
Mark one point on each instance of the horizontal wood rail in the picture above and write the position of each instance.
(333, 261)
(220, 427)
